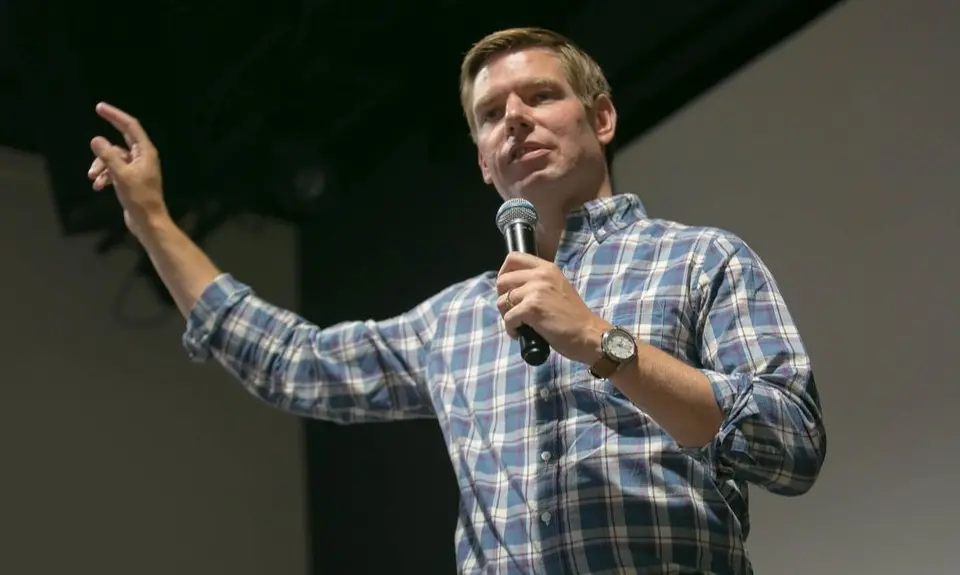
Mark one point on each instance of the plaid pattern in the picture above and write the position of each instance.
(558, 472)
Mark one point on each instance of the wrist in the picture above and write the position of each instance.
(591, 340)
(147, 222)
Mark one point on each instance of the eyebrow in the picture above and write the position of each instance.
(487, 99)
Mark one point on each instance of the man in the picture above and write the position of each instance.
(678, 375)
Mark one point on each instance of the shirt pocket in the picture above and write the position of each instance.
(648, 319)
(656, 321)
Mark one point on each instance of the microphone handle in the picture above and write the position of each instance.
(533, 348)
(521, 237)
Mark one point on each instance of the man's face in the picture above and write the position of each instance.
(534, 137)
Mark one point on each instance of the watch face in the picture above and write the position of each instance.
(620, 346)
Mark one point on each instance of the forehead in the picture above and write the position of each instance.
(517, 68)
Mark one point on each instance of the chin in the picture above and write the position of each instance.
(539, 185)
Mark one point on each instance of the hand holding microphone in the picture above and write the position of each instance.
(517, 220)
(540, 307)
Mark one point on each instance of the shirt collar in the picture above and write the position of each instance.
(599, 219)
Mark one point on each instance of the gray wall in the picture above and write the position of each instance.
(836, 157)
(117, 455)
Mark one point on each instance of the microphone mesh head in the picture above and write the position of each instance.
(516, 209)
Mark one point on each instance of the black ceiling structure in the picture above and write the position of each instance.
(239, 96)
(224, 88)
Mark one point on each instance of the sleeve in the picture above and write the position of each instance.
(352, 372)
(772, 433)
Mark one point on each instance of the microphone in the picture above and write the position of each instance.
(517, 220)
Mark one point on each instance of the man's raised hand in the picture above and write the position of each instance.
(133, 170)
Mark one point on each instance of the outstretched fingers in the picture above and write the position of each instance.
(133, 133)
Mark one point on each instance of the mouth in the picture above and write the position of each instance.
(527, 152)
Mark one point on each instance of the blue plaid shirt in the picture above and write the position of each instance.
(560, 472)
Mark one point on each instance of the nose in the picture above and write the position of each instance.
(517, 118)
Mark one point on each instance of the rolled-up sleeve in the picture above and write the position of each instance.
(351, 372)
(750, 349)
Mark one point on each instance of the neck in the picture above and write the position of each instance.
(553, 218)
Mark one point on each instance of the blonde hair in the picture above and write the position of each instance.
(584, 74)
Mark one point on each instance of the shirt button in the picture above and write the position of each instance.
(545, 456)
(545, 517)
(544, 393)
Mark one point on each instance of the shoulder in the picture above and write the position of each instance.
(709, 252)
(696, 242)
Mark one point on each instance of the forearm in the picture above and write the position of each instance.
(182, 266)
(351, 372)
(676, 396)
(767, 435)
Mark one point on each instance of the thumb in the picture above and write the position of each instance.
(113, 156)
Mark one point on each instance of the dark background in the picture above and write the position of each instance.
(239, 97)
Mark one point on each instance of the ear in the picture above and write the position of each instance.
(604, 119)
(484, 169)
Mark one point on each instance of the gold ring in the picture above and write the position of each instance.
(509, 301)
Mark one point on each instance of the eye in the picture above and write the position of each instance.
(540, 97)
(490, 115)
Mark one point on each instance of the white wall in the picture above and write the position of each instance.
(836, 157)
(117, 454)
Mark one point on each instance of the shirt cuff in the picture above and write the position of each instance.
(734, 395)
(208, 314)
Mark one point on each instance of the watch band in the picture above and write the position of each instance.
(604, 367)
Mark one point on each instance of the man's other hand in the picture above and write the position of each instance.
(133, 170)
